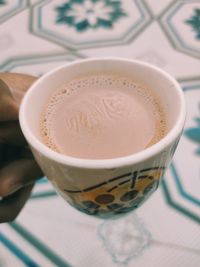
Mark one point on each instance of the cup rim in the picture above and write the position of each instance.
(104, 163)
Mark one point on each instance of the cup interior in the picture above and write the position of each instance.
(163, 85)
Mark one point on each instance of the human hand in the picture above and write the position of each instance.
(18, 169)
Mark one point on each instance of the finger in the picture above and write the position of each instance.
(9, 153)
(17, 174)
(11, 205)
(18, 83)
(8, 106)
(10, 132)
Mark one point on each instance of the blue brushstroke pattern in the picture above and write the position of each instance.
(17, 252)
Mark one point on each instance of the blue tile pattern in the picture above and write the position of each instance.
(21, 255)
(38, 35)
(86, 14)
(194, 134)
(194, 22)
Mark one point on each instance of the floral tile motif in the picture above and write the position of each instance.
(9, 8)
(2, 2)
(89, 23)
(177, 188)
(83, 15)
(193, 133)
(194, 22)
(181, 22)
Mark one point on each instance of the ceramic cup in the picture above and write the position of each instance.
(113, 186)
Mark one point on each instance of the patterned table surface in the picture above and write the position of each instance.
(36, 36)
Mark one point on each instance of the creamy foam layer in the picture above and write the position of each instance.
(101, 117)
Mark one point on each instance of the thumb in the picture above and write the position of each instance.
(11, 205)
(18, 174)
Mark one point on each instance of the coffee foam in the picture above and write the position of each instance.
(85, 111)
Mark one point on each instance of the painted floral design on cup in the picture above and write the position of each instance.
(86, 14)
(119, 194)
